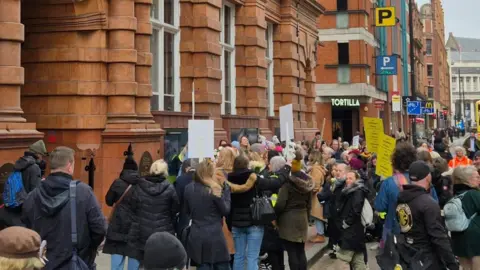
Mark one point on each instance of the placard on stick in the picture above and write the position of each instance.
(200, 139)
(373, 132)
(286, 122)
(386, 147)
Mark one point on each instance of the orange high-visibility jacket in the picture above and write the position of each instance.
(464, 161)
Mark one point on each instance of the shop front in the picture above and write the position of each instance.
(345, 118)
(343, 115)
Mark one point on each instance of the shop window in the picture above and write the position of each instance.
(430, 92)
(175, 141)
(251, 133)
(165, 48)
(343, 74)
(227, 40)
(342, 5)
(342, 20)
(270, 79)
(429, 70)
(429, 47)
(343, 54)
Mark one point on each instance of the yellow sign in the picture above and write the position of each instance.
(429, 104)
(385, 16)
(396, 98)
(385, 151)
(373, 131)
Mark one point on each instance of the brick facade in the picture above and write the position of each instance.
(432, 16)
(355, 79)
(87, 82)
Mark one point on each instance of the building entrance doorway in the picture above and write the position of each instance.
(344, 123)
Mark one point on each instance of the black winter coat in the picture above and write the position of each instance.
(10, 217)
(240, 214)
(350, 217)
(206, 242)
(180, 185)
(47, 211)
(31, 172)
(119, 228)
(422, 225)
(443, 186)
(157, 208)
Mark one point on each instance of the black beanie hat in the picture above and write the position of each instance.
(164, 251)
(130, 163)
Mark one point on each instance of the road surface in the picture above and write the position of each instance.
(325, 263)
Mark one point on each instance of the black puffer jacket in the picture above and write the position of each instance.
(120, 225)
(240, 213)
(157, 209)
(350, 221)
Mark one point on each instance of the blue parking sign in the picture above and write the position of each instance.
(414, 108)
(386, 65)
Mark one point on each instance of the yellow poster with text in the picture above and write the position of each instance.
(373, 131)
(384, 157)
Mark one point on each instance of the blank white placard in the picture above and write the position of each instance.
(200, 138)
(286, 121)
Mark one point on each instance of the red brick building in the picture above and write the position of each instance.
(347, 86)
(96, 75)
(437, 78)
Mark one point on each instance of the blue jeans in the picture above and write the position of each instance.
(117, 262)
(320, 226)
(248, 242)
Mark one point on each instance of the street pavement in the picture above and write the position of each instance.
(312, 251)
(326, 263)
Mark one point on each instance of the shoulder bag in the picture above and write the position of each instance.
(76, 263)
(118, 202)
(262, 209)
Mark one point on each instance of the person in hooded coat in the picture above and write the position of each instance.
(32, 167)
(47, 211)
(317, 173)
(349, 208)
(292, 208)
(157, 207)
(116, 241)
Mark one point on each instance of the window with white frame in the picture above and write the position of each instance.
(270, 79)
(165, 48)
(227, 40)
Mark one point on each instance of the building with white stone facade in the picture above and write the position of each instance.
(464, 60)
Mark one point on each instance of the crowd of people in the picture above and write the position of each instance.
(247, 206)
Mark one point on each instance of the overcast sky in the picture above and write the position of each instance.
(461, 17)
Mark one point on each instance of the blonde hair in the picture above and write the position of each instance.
(462, 174)
(159, 167)
(205, 175)
(316, 157)
(226, 158)
(21, 264)
(254, 156)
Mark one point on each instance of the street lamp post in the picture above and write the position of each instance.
(412, 68)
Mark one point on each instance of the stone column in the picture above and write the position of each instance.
(144, 61)
(122, 59)
(11, 73)
(200, 53)
(251, 64)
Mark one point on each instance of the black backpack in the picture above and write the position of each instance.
(398, 253)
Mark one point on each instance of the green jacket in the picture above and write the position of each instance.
(466, 244)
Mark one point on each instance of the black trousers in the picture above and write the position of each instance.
(297, 259)
(276, 260)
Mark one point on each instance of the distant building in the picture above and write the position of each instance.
(464, 59)
(436, 79)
